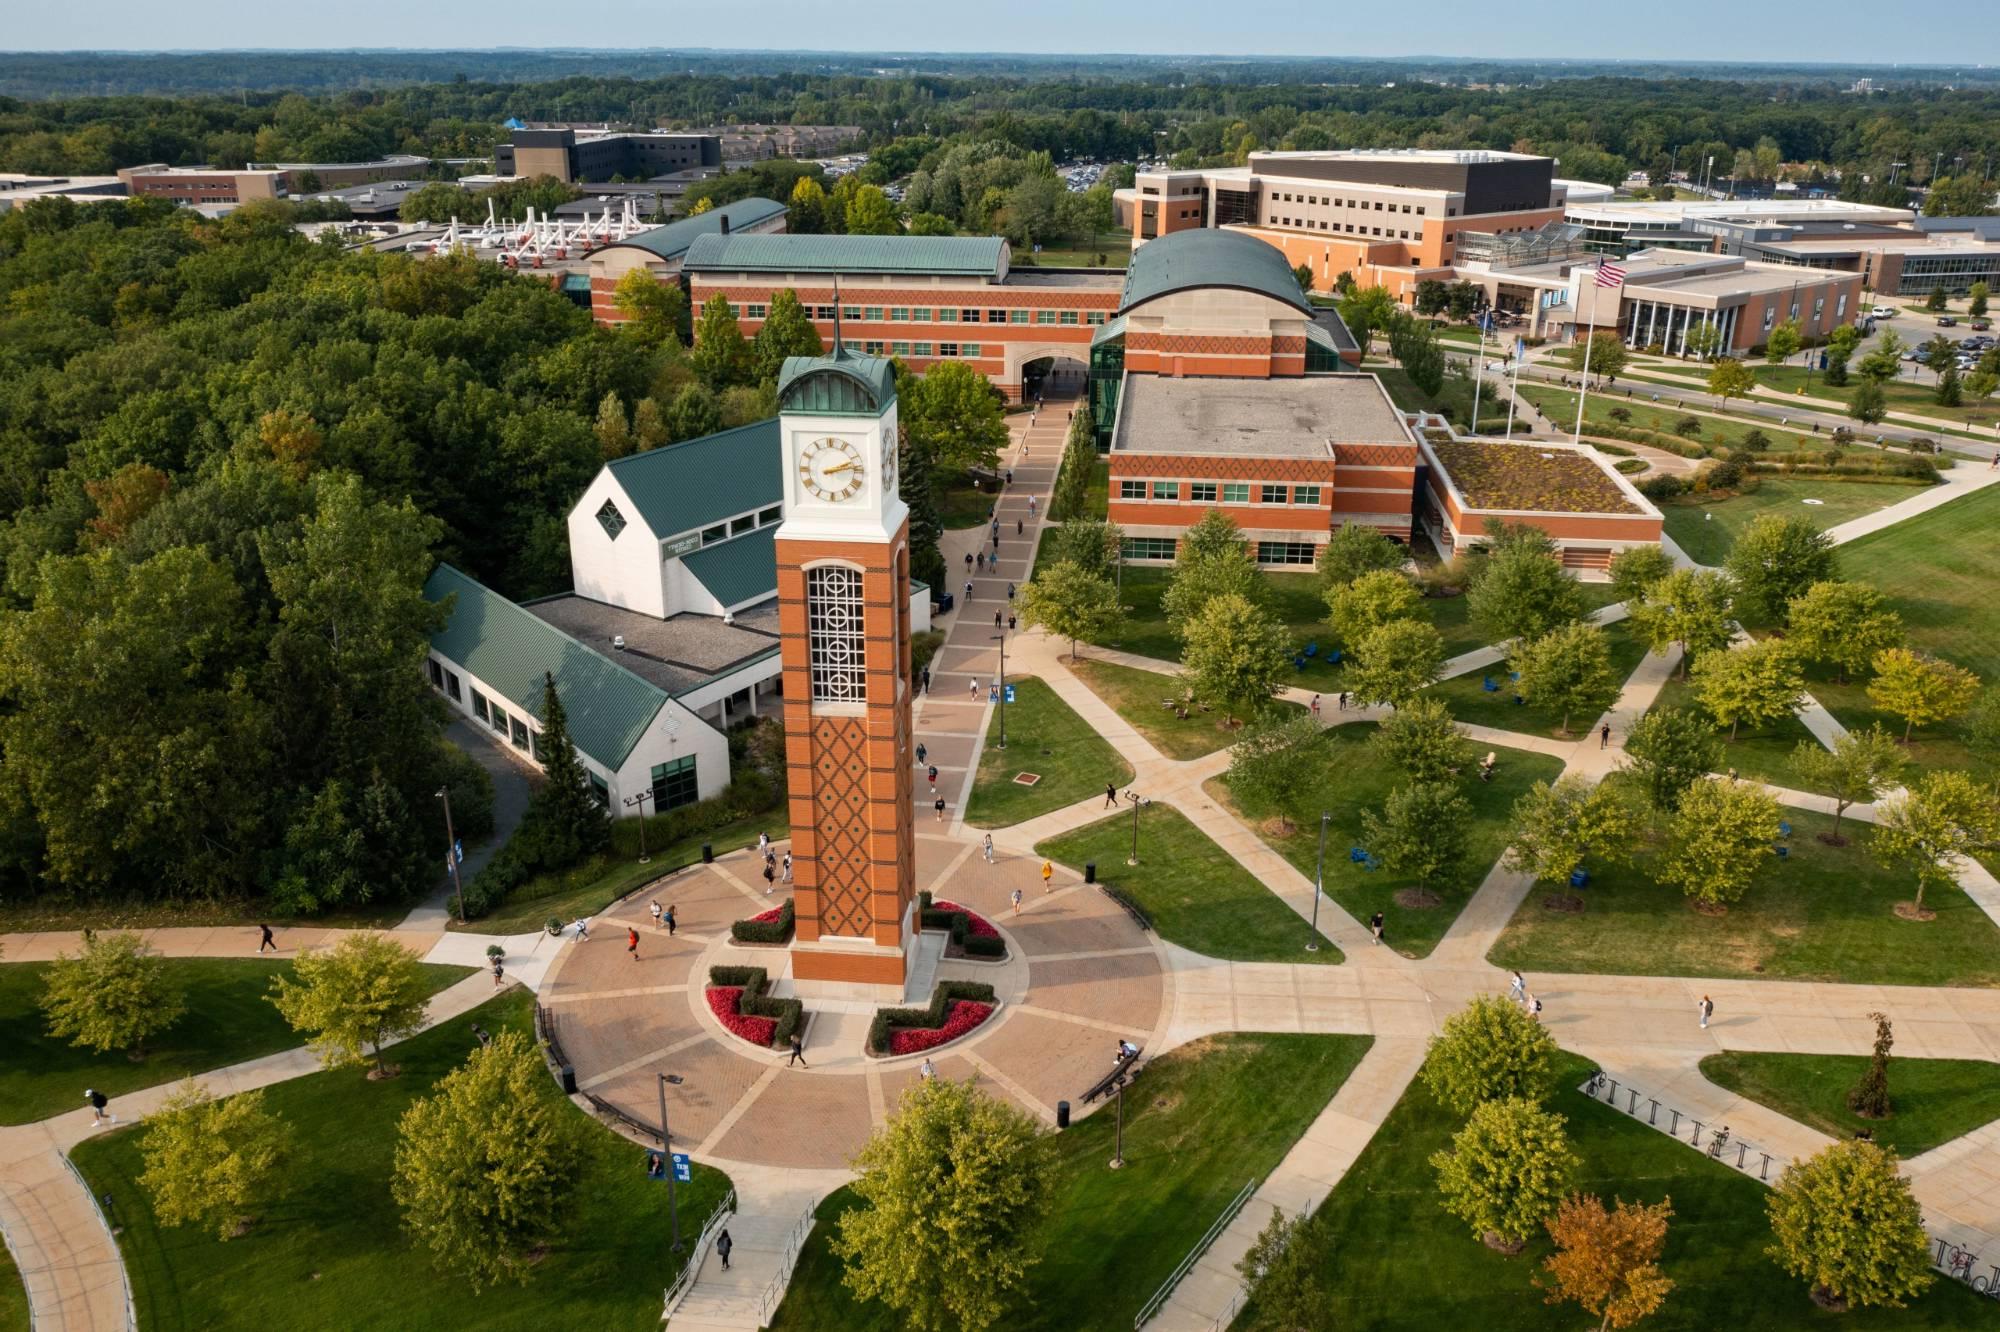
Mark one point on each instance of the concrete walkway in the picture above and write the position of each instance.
(512, 785)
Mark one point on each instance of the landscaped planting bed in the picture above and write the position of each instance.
(972, 935)
(739, 997)
(956, 1008)
(766, 927)
(965, 1015)
(1527, 476)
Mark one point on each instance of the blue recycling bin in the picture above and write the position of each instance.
(1578, 878)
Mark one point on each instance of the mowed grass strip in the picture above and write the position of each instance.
(1706, 528)
(1397, 1262)
(1138, 696)
(1045, 737)
(331, 1252)
(1932, 1100)
(1821, 913)
(1199, 1124)
(1194, 893)
(229, 1018)
(1473, 703)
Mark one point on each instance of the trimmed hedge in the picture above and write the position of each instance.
(942, 998)
(756, 1003)
(1813, 462)
(958, 927)
(765, 931)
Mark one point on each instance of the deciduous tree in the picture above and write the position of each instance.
(1568, 669)
(113, 995)
(1369, 602)
(1605, 351)
(1779, 557)
(1867, 403)
(1845, 624)
(1490, 1050)
(484, 1169)
(1757, 683)
(1608, 1262)
(1091, 544)
(1942, 819)
(1636, 569)
(1420, 835)
(1507, 1171)
(1846, 1221)
(785, 332)
(1920, 688)
(953, 1192)
(1202, 574)
(1670, 748)
(956, 415)
(1396, 662)
(1080, 464)
(211, 1163)
(653, 309)
(1070, 602)
(1782, 342)
(870, 213)
(1282, 1271)
(1276, 759)
(1355, 549)
(352, 999)
(1236, 654)
(1421, 739)
(720, 355)
(1730, 378)
(1559, 829)
(1720, 836)
(1688, 607)
(1860, 767)
(1523, 593)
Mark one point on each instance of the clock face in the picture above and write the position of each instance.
(888, 466)
(831, 470)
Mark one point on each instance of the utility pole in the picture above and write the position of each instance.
(639, 802)
(1319, 881)
(667, 1146)
(451, 851)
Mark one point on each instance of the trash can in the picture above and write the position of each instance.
(568, 1080)
(1062, 1114)
(1090, 871)
(708, 853)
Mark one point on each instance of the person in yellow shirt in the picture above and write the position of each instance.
(1048, 872)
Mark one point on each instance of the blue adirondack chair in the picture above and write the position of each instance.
(1489, 684)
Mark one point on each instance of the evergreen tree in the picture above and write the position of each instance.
(565, 810)
(1869, 1097)
(1079, 468)
(720, 356)
(918, 488)
(786, 332)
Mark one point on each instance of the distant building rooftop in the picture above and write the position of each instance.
(1529, 478)
(676, 654)
(939, 256)
(675, 239)
(1258, 418)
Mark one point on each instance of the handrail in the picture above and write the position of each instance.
(774, 1290)
(690, 1269)
(124, 1277)
(1160, 1296)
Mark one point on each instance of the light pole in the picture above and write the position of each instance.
(1319, 881)
(1138, 802)
(639, 802)
(1478, 371)
(451, 851)
(1002, 638)
(1118, 1152)
(667, 1146)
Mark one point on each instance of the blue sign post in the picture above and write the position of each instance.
(1010, 693)
(683, 1167)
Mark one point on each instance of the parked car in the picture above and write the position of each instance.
(1946, 321)
(1981, 324)
(1883, 312)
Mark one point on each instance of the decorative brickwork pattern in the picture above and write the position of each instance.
(840, 824)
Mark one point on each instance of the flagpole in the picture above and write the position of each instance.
(1583, 389)
(1478, 366)
(1514, 393)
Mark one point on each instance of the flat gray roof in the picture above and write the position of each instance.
(1105, 279)
(1264, 418)
(679, 653)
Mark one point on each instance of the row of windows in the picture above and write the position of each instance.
(944, 349)
(444, 680)
(506, 724)
(741, 524)
(1268, 552)
(1307, 224)
(674, 784)
(1225, 492)
(1362, 204)
(1148, 548)
(923, 314)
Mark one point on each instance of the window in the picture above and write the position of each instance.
(612, 521)
(1270, 494)
(1305, 494)
(1069, 317)
(823, 312)
(920, 349)
(738, 526)
(437, 674)
(1201, 492)
(1093, 317)
(711, 535)
(451, 685)
(996, 316)
(498, 721)
(899, 314)
(1284, 552)
(674, 784)
(479, 705)
(1840, 306)
(968, 316)
(735, 310)
(945, 316)
(872, 313)
(1236, 492)
(1132, 490)
(1148, 548)
(1770, 317)
(519, 732)
(899, 349)
(1166, 490)
(755, 311)
(834, 636)
(598, 790)
(535, 748)
(872, 348)
(1045, 316)
(1017, 316)
(947, 349)
(968, 349)
(850, 312)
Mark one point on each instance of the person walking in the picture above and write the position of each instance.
(1604, 736)
(975, 689)
(927, 1070)
(923, 753)
(1315, 707)
(986, 847)
(968, 589)
(1010, 591)
(930, 775)
(1706, 1008)
(1111, 795)
(1018, 529)
(499, 973)
(1375, 926)
(798, 1053)
(770, 876)
(1535, 1009)
(763, 843)
(100, 1107)
(266, 940)
(788, 867)
(1048, 873)
(937, 810)
(999, 617)
(723, 1244)
(582, 929)
(1015, 896)
(927, 679)
(968, 561)
(1343, 700)
(659, 915)
(1010, 624)
(632, 942)
(672, 923)
(1517, 987)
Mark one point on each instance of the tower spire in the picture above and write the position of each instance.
(839, 350)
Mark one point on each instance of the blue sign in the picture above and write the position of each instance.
(683, 1167)
(1010, 693)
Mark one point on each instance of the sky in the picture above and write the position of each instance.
(1827, 30)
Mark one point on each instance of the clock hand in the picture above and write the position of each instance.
(840, 467)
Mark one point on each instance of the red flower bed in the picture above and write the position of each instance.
(977, 925)
(770, 917)
(965, 1015)
(722, 1001)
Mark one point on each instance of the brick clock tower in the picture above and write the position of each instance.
(844, 610)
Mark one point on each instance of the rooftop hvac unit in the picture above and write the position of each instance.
(618, 642)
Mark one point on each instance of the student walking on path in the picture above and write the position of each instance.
(659, 915)
(672, 924)
(1048, 873)
(798, 1053)
(723, 1244)
(1375, 926)
(788, 866)
(1017, 901)
(986, 846)
(1706, 1008)
(100, 1107)
(1111, 795)
(1604, 736)
(632, 942)
(1517, 988)
(267, 941)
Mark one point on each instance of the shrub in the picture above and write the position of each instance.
(882, 1030)
(1688, 427)
(754, 982)
(1622, 415)
(1756, 440)
(1725, 475)
(1615, 450)
(769, 927)
(965, 1015)
(1632, 466)
(724, 1001)
(1665, 486)
(971, 933)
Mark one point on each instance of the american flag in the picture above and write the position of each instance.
(1610, 275)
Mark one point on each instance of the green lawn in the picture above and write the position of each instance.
(1396, 1262)
(1135, 695)
(332, 1252)
(14, 1312)
(1454, 398)
(1112, 249)
(1045, 737)
(1932, 1100)
(1194, 893)
(229, 1019)
(1940, 569)
(1353, 778)
(587, 889)
(1201, 1122)
(1706, 527)
(959, 505)
(1822, 913)
(1902, 394)
(1761, 753)
(31, 915)
(1560, 406)
(1470, 701)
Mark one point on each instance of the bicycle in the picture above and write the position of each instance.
(1717, 1142)
(1597, 1081)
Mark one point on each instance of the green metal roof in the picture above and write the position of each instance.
(739, 570)
(945, 256)
(510, 648)
(702, 481)
(1113, 327)
(1206, 257)
(673, 239)
(840, 383)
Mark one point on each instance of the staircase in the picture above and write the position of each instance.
(766, 1245)
(926, 951)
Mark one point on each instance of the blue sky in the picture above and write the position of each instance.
(1841, 30)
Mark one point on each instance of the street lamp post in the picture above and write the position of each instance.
(1138, 803)
(451, 851)
(1001, 637)
(1118, 1152)
(667, 1146)
(1319, 881)
(638, 802)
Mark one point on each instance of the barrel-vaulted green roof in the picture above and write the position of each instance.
(1207, 257)
(701, 481)
(942, 256)
(510, 648)
(840, 383)
(672, 240)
